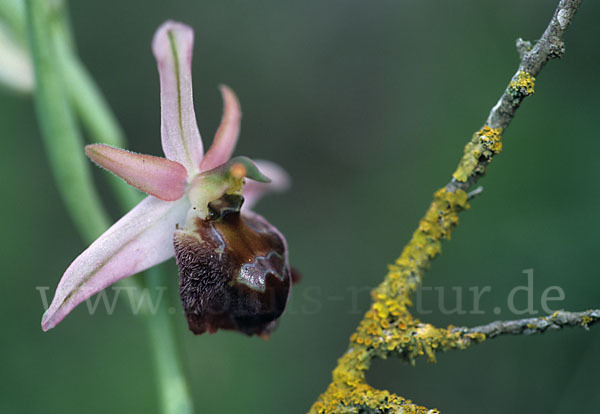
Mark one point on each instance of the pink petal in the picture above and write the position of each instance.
(253, 190)
(181, 142)
(226, 137)
(139, 240)
(159, 177)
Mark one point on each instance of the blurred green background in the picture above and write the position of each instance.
(368, 106)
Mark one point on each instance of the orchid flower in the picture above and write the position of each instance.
(234, 271)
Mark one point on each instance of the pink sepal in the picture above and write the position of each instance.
(159, 177)
(139, 240)
(172, 46)
(253, 190)
(227, 135)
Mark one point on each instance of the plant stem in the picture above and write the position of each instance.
(91, 107)
(11, 12)
(174, 393)
(59, 129)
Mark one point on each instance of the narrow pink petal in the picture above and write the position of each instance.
(253, 190)
(159, 177)
(227, 135)
(139, 240)
(181, 142)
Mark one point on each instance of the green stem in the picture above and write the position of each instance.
(174, 393)
(12, 13)
(91, 107)
(59, 129)
(55, 60)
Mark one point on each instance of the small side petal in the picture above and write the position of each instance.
(227, 135)
(139, 240)
(172, 46)
(253, 190)
(159, 177)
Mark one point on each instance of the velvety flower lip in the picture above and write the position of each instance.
(185, 178)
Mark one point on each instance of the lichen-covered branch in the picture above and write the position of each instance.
(557, 320)
(388, 328)
(549, 46)
(533, 58)
(423, 339)
(415, 339)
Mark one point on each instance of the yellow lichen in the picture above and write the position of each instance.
(389, 328)
(522, 84)
(364, 399)
(484, 144)
(348, 393)
(490, 139)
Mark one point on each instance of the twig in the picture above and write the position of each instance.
(533, 59)
(424, 339)
(557, 320)
(474, 193)
(523, 46)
